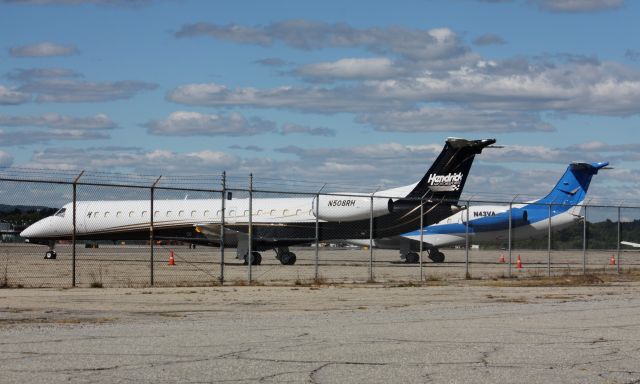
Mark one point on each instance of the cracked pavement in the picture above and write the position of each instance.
(467, 332)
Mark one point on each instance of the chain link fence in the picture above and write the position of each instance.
(181, 231)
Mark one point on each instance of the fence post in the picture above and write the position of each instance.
(510, 226)
(584, 242)
(421, 235)
(618, 243)
(249, 256)
(317, 237)
(73, 235)
(466, 240)
(224, 193)
(549, 244)
(151, 234)
(371, 241)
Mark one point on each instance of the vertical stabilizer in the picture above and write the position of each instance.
(448, 174)
(572, 187)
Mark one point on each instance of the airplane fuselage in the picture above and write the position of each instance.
(274, 220)
(490, 223)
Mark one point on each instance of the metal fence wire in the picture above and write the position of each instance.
(142, 231)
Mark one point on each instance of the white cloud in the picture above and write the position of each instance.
(576, 87)
(10, 96)
(632, 54)
(253, 148)
(44, 49)
(59, 127)
(30, 74)
(183, 123)
(54, 120)
(590, 151)
(132, 160)
(434, 44)
(577, 5)
(311, 99)
(361, 168)
(289, 128)
(424, 66)
(70, 91)
(272, 62)
(27, 137)
(349, 68)
(489, 39)
(455, 119)
(5, 159)
(124, 3)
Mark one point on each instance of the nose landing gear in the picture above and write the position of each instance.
(51, 254)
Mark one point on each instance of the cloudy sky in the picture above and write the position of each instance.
(355, 92)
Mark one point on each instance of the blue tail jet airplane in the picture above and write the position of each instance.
(491, 222)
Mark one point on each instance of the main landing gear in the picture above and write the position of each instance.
(256, 258)
(285, 256)
(413, 258)
(436, 256)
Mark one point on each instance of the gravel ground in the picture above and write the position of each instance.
(482, 332)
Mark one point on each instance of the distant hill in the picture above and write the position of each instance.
(23, 208)
(23, 215)
(600, 235)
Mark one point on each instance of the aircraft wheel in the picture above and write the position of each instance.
(288, 258)
(50, 255)
(257, 258)
(412, 258)
(437, 256)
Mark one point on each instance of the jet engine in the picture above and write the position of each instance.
(350, 208)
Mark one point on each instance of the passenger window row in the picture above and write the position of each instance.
(158, 214)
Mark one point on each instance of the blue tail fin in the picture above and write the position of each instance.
(573, 185)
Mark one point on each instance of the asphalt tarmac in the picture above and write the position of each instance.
(473, 331)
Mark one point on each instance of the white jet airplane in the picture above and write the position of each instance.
(277, 222)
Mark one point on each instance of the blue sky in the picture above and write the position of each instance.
(355, 92)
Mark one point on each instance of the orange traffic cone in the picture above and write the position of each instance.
(612, 260)
(519, 263)
(172, 260)
(501, 259)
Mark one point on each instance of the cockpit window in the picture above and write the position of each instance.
(60, 212)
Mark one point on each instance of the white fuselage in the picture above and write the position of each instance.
(96, 217)
(104, 216)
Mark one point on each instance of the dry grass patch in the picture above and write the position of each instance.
(554, 281)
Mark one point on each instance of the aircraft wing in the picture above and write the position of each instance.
(232, 235)
(212, 230)
(635, 245)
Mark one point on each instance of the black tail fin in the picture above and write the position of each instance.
(446, 177)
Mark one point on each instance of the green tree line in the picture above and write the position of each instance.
(600, 235)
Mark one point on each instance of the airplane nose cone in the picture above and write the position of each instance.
(35, 230)
(27, 233)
